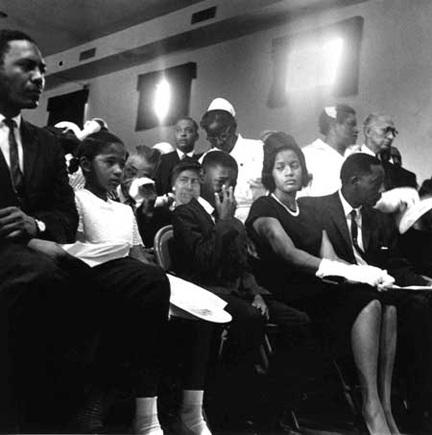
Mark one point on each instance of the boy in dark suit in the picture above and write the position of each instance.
(210, 250)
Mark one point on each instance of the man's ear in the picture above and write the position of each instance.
(85, 164)
(353, 180)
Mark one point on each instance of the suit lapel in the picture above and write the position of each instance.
(7, 195)
(337, 216)
(202, 211)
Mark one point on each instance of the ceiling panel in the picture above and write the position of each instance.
(58, 25)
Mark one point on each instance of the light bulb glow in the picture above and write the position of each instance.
(314, 65)
(162, 99)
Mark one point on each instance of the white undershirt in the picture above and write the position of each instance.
(4, 140)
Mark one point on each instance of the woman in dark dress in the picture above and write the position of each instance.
(295, 253)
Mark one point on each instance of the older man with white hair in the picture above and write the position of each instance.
(379, 133)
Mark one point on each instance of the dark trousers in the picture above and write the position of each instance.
(134, 303)
(414, 349)
(188, 344)
(42, 317)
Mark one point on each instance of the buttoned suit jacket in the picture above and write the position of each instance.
(47, 194)
(379, 237)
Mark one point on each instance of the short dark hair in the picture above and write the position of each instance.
(187, 164)
(426, 188)
(8, 35)
(152, 155)
(95, 143)
(219, 158)
(325, 120)
(221, 116)
(357, 164)
(273, 145)
(188, 118)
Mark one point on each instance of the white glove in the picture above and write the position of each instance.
(371, 275)
(135, 191)
(397, 199)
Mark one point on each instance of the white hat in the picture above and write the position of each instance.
(413, 213)
(163, 147)
(67, 125)
(221, 104)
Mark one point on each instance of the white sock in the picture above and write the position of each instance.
(146, 416)
(191, 413)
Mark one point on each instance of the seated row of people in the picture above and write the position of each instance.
(288, 236)
(125, 301)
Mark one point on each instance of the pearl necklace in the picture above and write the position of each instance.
(292, 213)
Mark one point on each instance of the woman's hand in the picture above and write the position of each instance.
(259, 303)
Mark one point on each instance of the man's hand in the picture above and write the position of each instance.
(14, 223)
(261, 306)
(51, 249)
(225, 202)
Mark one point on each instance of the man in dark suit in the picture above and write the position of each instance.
(185, 136)
(36, 203)
(360, 234)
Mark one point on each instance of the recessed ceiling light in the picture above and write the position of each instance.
(3, 14)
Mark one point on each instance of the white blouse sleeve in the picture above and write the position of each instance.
(136, 237)
(80, 230)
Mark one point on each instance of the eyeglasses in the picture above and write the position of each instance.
(222, 136)
(386, 130)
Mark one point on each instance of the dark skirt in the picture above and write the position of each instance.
(333, 308)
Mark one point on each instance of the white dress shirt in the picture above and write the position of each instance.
(324, 164)
(4, 140)
(207, 207)
(358, 149)
(347, 212)
(182, 155)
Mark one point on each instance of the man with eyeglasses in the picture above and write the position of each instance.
(220, 125)
(380, 132)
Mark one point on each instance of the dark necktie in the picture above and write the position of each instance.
(16, 174)
(354, 234)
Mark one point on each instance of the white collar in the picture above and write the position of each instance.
(206, 205)
(347, 208)
(324, 146)
(365, 149)
(17, 119)
(181, 154)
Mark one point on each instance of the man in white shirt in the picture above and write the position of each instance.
(324, 158)
(220, 126)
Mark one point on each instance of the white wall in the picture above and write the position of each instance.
(395, 77)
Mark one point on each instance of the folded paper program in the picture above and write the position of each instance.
(413, 213)
(191, 301)
(97, 253)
